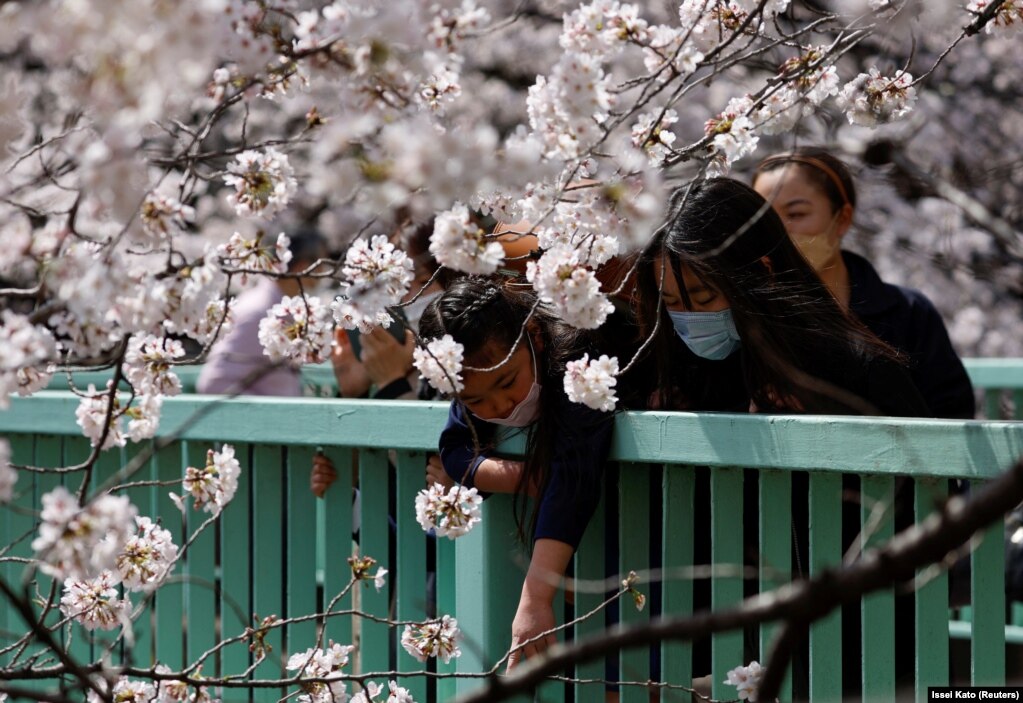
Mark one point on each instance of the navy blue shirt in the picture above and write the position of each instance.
(906, 320)
(573, 489)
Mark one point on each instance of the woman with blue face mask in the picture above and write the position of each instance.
(515, 383)
(744, 322)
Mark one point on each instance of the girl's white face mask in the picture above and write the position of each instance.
(414, 311)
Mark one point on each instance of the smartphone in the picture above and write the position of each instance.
(396, 329)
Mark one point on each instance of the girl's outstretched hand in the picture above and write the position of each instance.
(535, 614)
(533, 617)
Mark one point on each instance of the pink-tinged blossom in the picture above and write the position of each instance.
(562, 280)
(732, 136)
(317, 663)
(368, 693)
(449, 513)
(164, 216)
(8, 474)
(440, 363)
(361, 567)
(147, 557)
(377, 276)
(747, 680)
(125, 691)
(450, 27)
(213, 486)
(298, 330)
(80, 542)
(669, 45)
(171, 691)
(871, 99)
(397, 694)
(31, 379)
(1007, 20)
(144, 417)
(94, 603)
(460, 244)
(651, 133)
(263, 182)
(434, 638)
(147, 364)
(592, 382)
(22, 345)
(93, 417)
(255, 254)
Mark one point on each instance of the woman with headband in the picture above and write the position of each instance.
(814, 194)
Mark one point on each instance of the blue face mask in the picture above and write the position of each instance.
(711, 335)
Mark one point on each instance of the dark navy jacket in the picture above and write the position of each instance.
(574, 487)
(908, 321)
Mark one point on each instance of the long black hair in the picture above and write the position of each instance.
(800, 350)
(487, 317)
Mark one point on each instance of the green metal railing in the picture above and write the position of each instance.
(278, 550)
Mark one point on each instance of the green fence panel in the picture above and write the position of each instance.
(142, 652)
(335, 513)
(409, 575)
(931, 603)
(775, 550)
(988, 589)
(301, 541)
(79, 642)
(235, 571)
(677, 500)
(825, 551)
(267, 477)
(726, 499)
(590, 572)
(374, 537)
(169, 600)
(49, 453)
(877, 611)
(446, 583)
(634, 549)
(199, 573)
(17, 530)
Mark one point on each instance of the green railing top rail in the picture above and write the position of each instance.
(922, 447)
(985, 373)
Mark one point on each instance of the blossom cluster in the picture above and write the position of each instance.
(316, 663)
(395, 693)
(448, 513)
(361, 567)
(298, 330)
(747, 680)
(140, 561)
(377, 275)
(77, 541)
(213, 486)
(434, 638)
(263, 182)
(460, 244)
(253, 255)
(592, 382)
(440, 363)
(871, 99)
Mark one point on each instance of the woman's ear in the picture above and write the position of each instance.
(843, 220)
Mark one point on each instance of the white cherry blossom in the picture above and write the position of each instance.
(440, 363)
(147, 557)
(747, 680)
(214, 485)
(449, 513)
(263, 182)
(298, 330)
(95, 603)
(592, 382)
(871, 99)
(459, 243)
(433, 638)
